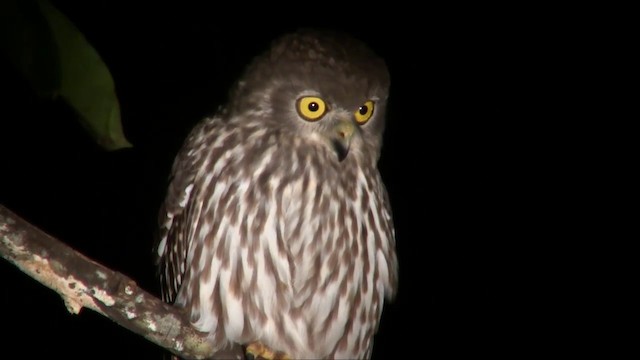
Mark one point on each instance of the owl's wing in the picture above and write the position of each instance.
(179, 217)
(175, 214)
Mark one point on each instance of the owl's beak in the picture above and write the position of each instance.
(341, 138)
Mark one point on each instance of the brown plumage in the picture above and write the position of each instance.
(277, 227)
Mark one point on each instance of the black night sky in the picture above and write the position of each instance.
(464, 160)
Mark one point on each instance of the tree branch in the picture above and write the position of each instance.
(82, 282)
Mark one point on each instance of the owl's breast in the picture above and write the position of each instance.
(300, 238)
(334, 222)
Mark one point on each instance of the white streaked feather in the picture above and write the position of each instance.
(207, 180)
(247, 269)
(197, 207)
(383, 271)
(186, 196)
(343, 316)
(232, 304)
(280, 262)
(161, 246)
(208, 321)
(266, 281)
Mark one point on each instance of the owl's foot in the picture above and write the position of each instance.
(258, 351)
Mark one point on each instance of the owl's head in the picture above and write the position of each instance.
(325, 86)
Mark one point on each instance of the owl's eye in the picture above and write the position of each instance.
(364, 112)
(311, 108)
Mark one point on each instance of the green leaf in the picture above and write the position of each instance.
(57, 60)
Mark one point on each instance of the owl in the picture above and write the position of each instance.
(276, 233)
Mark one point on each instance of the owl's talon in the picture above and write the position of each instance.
(257, 351)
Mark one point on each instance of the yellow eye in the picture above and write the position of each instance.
(364, 112)
(311, 108)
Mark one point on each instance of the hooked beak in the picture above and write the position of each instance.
(341, 137)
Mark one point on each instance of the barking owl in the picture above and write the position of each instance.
(276, 233)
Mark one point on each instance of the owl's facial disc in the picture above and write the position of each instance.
(336, 126)
(340, 138)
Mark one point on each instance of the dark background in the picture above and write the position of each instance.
(466, 161)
